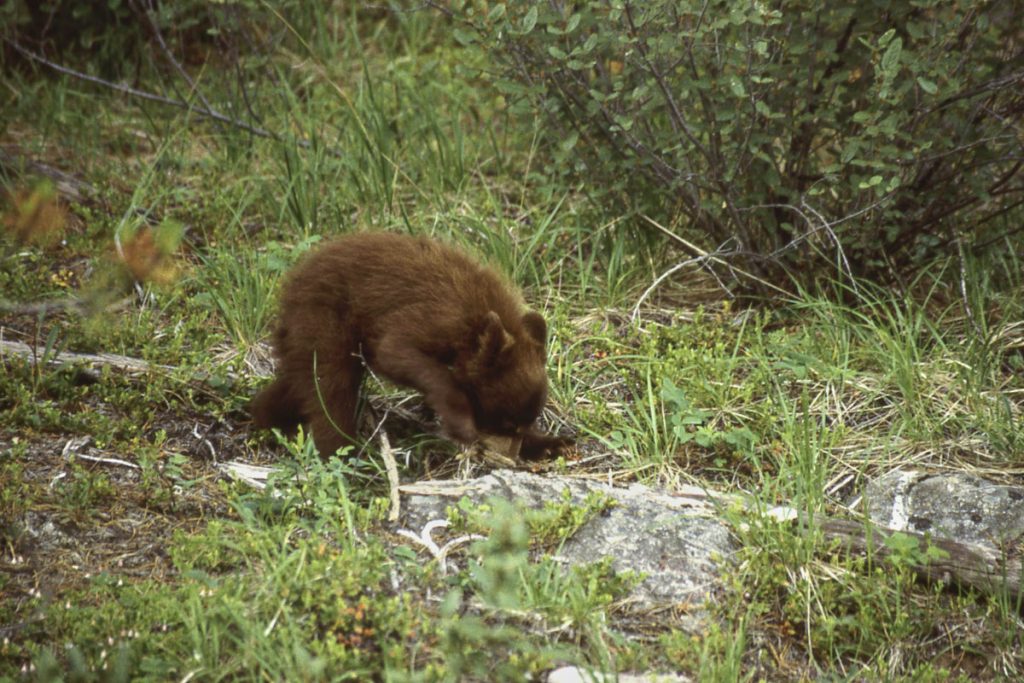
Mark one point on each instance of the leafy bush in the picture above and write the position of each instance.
(877, 135)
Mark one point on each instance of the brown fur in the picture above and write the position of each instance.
(421, 314)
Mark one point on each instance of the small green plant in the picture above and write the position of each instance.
(547, 526)
(83, 488)
(15, 494)
(239, 286)
(219, 547)
(661, 428)
(332, 495)
(558, 520)
(502, 576)
(716, 655)
(690, 424)
(906, 551)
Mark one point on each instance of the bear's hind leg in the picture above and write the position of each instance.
(275, 406)
(332, 397)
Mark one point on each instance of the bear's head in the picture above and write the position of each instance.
(503, 373)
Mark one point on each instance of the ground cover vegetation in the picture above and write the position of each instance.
(779, 251)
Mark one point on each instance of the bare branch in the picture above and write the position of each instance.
(703, 258)
(147, 12)
(142, 94)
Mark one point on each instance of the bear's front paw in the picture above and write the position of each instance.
(537, 445)
(459, 429)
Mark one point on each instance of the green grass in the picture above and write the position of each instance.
(381, 127)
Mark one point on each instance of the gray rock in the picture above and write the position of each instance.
(573, 674)
(956, 506)
(673, 540)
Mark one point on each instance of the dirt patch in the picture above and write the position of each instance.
(72, 510)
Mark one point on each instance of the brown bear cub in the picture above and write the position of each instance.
(420, 314)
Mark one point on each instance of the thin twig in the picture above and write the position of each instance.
(193, 88)
(827, 227)
(963, 286)
(107, 461)
(440, 8)
(388, 455)
(703, 257)
(661, 278)
(71, 450)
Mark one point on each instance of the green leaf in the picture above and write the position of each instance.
(510, 87)
(569, 142)
(557, 53)
(891, 58)
(736, 85)
(497, 13)
(530, 20)
(740, 438)
(464, 36)
(926, 85)
(673, 394)
(705, 438)
(902, 544)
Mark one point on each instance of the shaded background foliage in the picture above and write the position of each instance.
(791, 139)
(877, 135)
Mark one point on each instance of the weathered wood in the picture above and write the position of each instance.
(391, 467)
(967, 564)
(126, 364)
(38, 354)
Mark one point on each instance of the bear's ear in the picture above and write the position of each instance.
(536, 327)
(494, 341)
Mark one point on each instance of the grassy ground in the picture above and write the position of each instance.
(170, 250)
